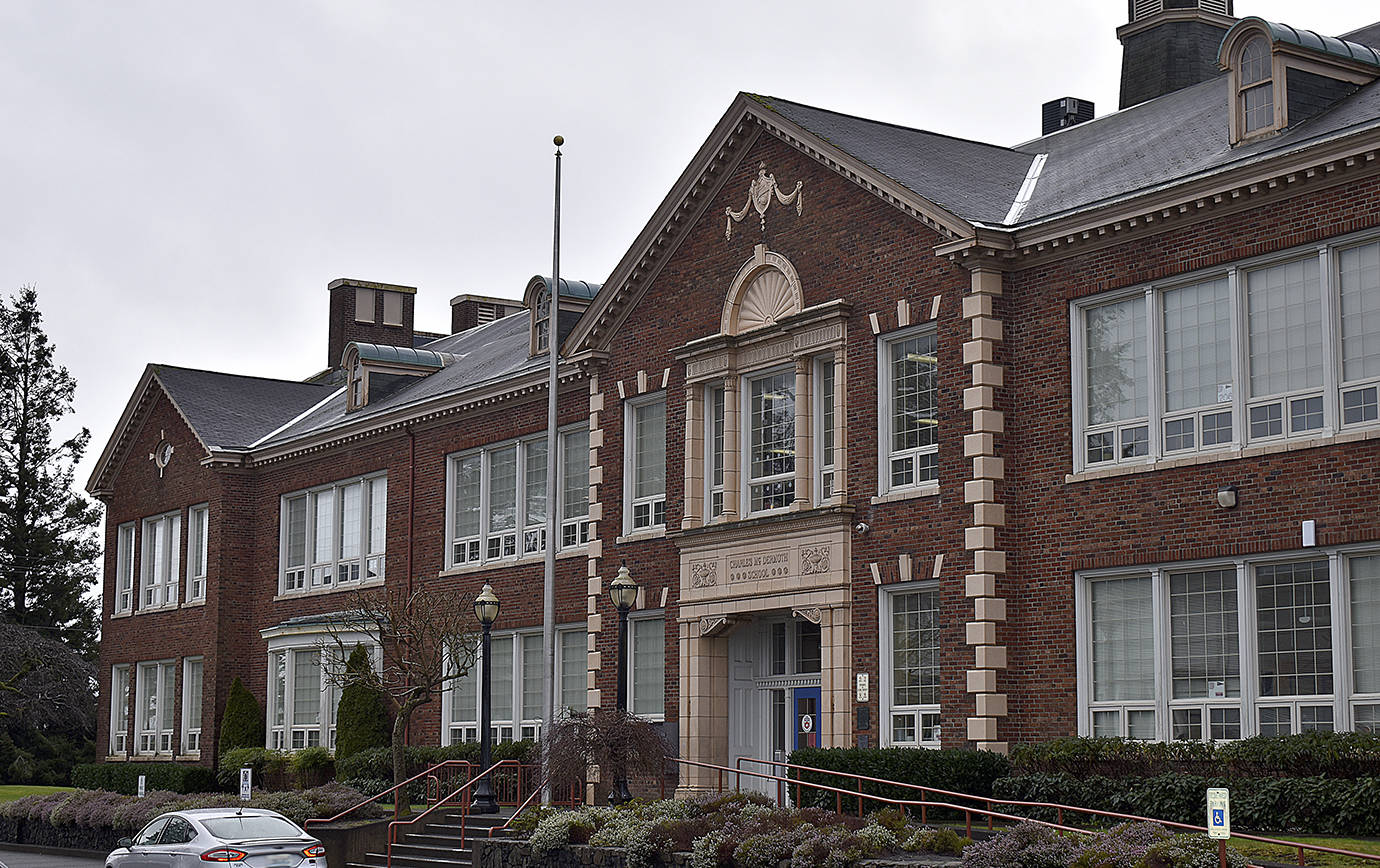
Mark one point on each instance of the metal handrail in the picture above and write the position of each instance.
(394, 825)
(1298, 846)
(397, 802)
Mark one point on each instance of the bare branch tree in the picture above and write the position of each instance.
(428, 639)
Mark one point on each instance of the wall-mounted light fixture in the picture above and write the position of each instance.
(1226, 497)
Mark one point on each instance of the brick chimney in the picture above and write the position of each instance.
(468, 311)
(375, 313)
(1169, 45)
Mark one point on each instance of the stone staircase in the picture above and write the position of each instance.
(435, 842)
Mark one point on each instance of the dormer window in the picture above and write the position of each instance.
(1256, 87)
(575, 296)
(541, 321)
(377, 371)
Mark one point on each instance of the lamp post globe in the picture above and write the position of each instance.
(623, 593)
(486, 611)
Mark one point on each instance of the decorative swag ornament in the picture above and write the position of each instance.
(759, 197)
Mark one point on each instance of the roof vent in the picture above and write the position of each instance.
(1064, 112)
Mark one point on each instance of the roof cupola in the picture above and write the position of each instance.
(1170, 44)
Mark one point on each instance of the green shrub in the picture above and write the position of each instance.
(955, 770)
(1330, 754)
(242, 722)
(310, 759)
(362, 717)
(124, 777)
(268, 766)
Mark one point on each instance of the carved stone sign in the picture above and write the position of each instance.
(759, 566)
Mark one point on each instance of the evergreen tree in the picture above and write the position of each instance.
(362, 718)
(242, 724)
(48, 540)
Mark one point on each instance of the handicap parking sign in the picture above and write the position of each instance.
(1219, 813)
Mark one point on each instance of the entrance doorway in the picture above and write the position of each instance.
(774, 693)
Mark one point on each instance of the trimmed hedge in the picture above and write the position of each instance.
(371, 771)
(124, 777)
(1328, 754)
(957, 770)
(96, 819)
(1315, 805)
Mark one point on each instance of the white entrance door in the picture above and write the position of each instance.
(746, 711)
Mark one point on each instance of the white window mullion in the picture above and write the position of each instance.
(1240, 363)
(1341, 639)
(1082, 651)
(1163, 673)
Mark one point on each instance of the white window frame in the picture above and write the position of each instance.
(746, 442)
(124, 568)
(925, 715)
(334, 650)
(518, 726)
(715, 429)
(198, 528)
(650, 616)
(885, 455)
(336, 571)
(1338, 397)
(525, 539)
(159, 576)
(119, 709)
(653, 506)
(191, 725)
(1343, 701)
(157, 739)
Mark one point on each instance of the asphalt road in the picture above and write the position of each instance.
(16, 859)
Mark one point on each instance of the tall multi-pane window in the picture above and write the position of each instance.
(1294, 645)
(647, 656)
(1205, 663)
(1286, 348)
(1250, 354)
(119, 709)
(196, 552)
(912, 649)
(304, 690)
(160, 567)
(1364, 586)
(191, 704)
(1197, 366)
(1122, 657)
(645, 464)
(714, 454)
(771, 441)
(572, 664)
(541, 321)
(909, 411)
(497, 506)
(502, 680)
(824, 428)
(154, 707)
(1117, 381)
(335, 535)
(124, 568)
(1359, 279)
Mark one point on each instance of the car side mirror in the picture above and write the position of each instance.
(124, 842)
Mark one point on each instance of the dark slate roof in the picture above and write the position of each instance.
(1168, 140)
(975, 181)
(228, 411)
(486, 353)
(1368, 35)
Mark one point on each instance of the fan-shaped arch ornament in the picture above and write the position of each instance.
(766, 291)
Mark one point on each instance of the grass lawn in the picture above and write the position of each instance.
(1270, 853)
(10, 792)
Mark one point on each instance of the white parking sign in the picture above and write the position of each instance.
(246, 782)
(1219, 813)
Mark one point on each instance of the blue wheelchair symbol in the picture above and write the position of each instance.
(1217, 818)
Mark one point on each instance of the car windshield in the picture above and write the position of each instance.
(250, 828)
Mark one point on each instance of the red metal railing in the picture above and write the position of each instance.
(924, 804)
(448, 770)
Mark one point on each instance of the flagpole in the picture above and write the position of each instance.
(548, 630)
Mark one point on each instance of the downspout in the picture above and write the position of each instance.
(411, 498)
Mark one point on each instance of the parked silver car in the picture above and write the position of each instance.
(250, 837)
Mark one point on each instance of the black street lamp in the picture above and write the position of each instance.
(623, 593)
(486, 610)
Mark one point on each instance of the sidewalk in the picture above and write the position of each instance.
(49, 859)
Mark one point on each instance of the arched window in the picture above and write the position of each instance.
(1255, 87)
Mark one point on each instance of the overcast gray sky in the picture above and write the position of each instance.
(181, 180)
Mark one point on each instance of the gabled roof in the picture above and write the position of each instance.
(974, 180)
(229, 411)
